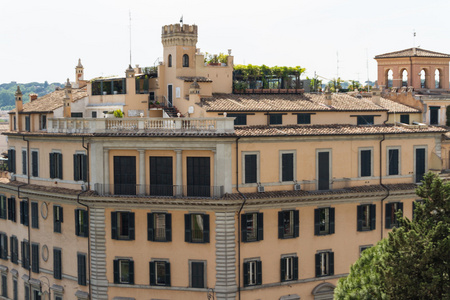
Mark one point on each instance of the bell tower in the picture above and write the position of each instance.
(19, 108)
(67, 100)
(79, 72)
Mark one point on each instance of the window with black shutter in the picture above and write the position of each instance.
(35, 258)
(196, 228)
(391, 219)
(81, 223)
(24, 162)
(3, 207)
(58, 218)
(241, 119)
(81, 262)
(434, 115)
(289, 268)
(4, 286)
(252, 227)
(80, 167)
(160, 273)
(251, 168)
(34, 164)
(288, 224)
(122, 225)
(393, 161)
(12, 209)
(287, 166)
(57, 265)
(365, 163)
(324, 264)
(366, 217)
(420, 163)
(14, 249)
(15, 290)
(276, 119)
(27, 292)
(197, 274)
(34, 215)
(3, 246)
(12, 160)
(252, 272)
(404, 119)
(24, 217)
(25, 254)
(123, 271)
(303, 118)
(56, 167)
(159, 227)
(324, 221)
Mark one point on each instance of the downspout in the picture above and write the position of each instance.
(89, 241)
(381, 178)
(239, 217)
(87, 164)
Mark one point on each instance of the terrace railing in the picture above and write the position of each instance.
(176, 191)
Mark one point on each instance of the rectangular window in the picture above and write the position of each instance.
(34, 163)
(122, 225)
(12, 209)
(364, 120)
(4, 286)
(324, 221)
(324, 264)
(393, 161)
(289, 268)
(252, 227)
(434, 115)
(76, 115)
(276, 119)
(287, 167)
(159, 227)
(304, 119)
(35, 258)
(34, 215)
(14, 249)
(57, 263)
(81, 223)
(241, 119)
(196, 228)
(391, 214)
(3, 246)
(25, 254)
(81, 262)
(3, 207)
(252, 273)
(15, 290)
(160, 273)
(94, 114)
(58, 218)
(404, 119)
(366, 217)
(24, 217)
(24, 162)
(288, 224)
(27, 292)
(43, 122)
(56, 165)
(12, 160)
(27, 123)
(365, 163)
(80, 167)
(251, 168)
(123, 271)
(362, 248)
(198, 274)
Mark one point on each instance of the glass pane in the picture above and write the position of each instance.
(197, 228)
(160, 272)
(124, 271)
(252, 228)
(160, 227)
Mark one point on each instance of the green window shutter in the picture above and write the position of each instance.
(60, 166)
(76, 169)
(116, 271)
(281, 225)
(131, 270)
(34, 164)
(84, 173)
(187, 228)
(359, 217)
(258, 272)
(26, 215)
(260, 227)
(34, 215)
(295, 268)
(206, 228)
(131, 226)
(81, 259)
(57, 272)
(388, 220)
(35, 258)
(114, 225)
(167, 269)
(318, 273)
(52, 165)
(168, 227)
(150, 227)
(332, 217)
(246, 273)
(152, 273)
(282, 269)
(331, 263)
(373, 216)
(24, 162)
(296, 223)
(244, 227)
(85, 224)
(77, 222)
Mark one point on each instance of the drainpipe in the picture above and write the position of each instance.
(239, 218)
(87, 164)
(89, 241)
(381, 178)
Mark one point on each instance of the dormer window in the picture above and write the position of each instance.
(185, 61)
(169, 61)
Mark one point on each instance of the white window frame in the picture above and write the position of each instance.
(258, 167)
(324, 263)
(155, 227)
(399, 148)
(371, 161)
(294, 161)
(205, 278)
(157, 261)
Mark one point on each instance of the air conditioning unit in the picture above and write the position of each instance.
(297, 187)
(260, 189)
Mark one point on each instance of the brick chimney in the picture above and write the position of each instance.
(327, 96)
(33, 97)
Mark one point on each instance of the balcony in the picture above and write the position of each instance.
(141, 125)
(175, 191)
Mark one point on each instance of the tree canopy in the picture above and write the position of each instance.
(414, 261)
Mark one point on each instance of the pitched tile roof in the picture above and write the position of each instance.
(321, 130)
(296, 102)
(419, 52)
(52, 101)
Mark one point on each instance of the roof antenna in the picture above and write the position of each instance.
(181, 20)
(130, 35)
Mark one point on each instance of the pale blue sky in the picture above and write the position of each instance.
(42, 40)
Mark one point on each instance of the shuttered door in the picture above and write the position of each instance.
(250, 168)
(287, 162)
(393, 162)
(125, 175)
(366, 160)
(161, 176)
(324, 170)
(198, 176)
(197, 274)
(434, 115)
(420, 164)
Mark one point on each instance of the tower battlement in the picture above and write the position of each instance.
(179, 35)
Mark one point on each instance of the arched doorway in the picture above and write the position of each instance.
(324, 291)
(404, 77)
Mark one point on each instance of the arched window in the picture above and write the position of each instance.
(423, 79)
(185, 61)
(437, 79)
(389, 78)
(404, 77)
(169, 61)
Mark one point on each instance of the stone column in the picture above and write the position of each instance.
(179, 173)
(141, 172)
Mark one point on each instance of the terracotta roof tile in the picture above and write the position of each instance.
(410, 52)
(319, 130)
(51, 101)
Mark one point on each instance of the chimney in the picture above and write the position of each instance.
(194, 91)
(33, 97)
(376, 95)
(327, 96)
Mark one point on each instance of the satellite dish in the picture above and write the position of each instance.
(191, 109)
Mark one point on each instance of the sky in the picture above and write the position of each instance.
(42, 40)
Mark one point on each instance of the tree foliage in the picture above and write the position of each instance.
(414, 261)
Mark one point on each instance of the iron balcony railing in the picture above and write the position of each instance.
(176, 191)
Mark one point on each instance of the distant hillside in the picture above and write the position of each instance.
(7, 91)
